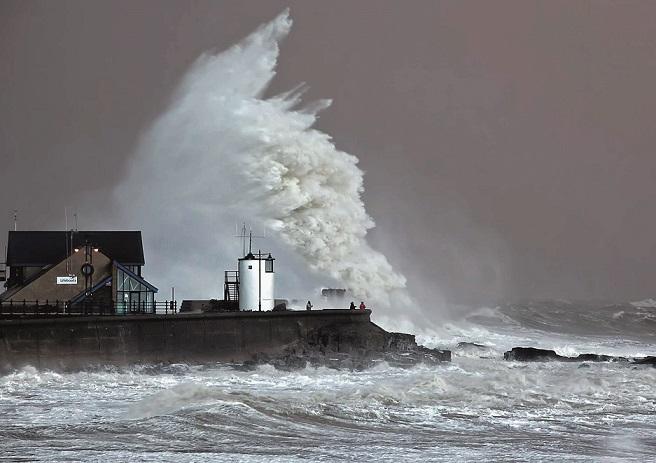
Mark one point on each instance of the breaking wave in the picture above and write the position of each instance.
(223, 152)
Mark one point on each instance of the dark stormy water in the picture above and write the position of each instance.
(473, 408)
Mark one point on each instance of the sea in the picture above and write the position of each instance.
(476, 408)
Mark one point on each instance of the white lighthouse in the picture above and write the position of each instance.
(256, 282)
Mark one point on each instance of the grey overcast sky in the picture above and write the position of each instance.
(508, 145)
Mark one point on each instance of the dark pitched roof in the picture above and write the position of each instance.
(39, 248)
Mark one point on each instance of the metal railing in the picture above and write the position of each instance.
(50, 308)
(231, 285)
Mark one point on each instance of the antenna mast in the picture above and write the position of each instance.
(15, 219)
(243, 237)
(68, 267)
(250, 237)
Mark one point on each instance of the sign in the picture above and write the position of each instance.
(70, 280)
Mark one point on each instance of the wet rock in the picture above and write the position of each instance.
(351, 347)
(592, 358)
(646, 361)
(531, 354)
(289, 362)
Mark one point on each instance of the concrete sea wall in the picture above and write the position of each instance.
(70, 342)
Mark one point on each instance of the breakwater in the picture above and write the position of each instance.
(74, 342)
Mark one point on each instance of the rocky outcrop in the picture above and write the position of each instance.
(532, 354)
(351, 346)
(646, 361)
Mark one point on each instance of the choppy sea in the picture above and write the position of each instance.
(476, 408)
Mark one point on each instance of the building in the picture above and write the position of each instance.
(252, 286)
(256, 282)
(77, 270)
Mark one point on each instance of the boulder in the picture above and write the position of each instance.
(531, 354)
(646, 361)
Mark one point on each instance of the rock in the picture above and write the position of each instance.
(351, 347)
(592, 358)
(646, 361)
(531, 354)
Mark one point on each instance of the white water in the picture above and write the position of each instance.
(479, 407)
(223, 153)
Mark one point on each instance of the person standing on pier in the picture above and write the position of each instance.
(362, 306)
(352, 307)
(308, 306)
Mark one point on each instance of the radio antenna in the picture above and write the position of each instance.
(68, 268)
(250, 237)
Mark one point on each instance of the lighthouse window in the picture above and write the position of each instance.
(268, 266)
(250, 267)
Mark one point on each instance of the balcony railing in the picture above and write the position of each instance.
(49, 308)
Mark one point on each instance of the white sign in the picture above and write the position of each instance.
(67, 280)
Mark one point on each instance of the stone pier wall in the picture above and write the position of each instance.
(70, 342)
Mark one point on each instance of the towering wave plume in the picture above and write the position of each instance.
(222, 152)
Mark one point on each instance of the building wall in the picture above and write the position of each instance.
(46, 287)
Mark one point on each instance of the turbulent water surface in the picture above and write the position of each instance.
(477, 407)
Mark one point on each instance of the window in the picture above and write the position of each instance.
(136, 269)
(132, 295)
(268, 266)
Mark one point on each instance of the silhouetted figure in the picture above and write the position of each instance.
(352, 307)
(362, 306)
(308, 306)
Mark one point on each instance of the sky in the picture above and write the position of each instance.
(507, 145)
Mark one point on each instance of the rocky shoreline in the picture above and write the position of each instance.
(532, 354)
(353, 347)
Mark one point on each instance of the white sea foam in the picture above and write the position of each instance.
(472, 408)
(223, 152)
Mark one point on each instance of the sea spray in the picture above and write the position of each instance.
(222, 153)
